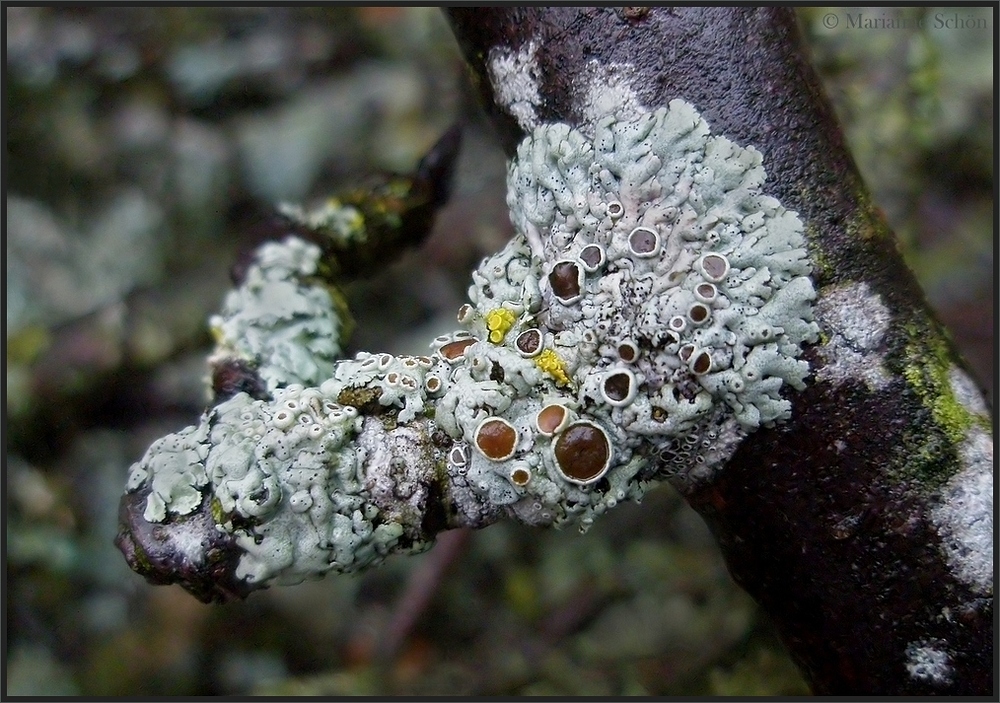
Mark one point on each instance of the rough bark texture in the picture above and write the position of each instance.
(825, 520)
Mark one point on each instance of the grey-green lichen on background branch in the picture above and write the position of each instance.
(648, 314)
(279, 321)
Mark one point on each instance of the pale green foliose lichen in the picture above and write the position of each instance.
(174, 467)
(286, 479)
(675, 294)
(648, 313)
(278, 320)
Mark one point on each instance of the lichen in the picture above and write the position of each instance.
(285, 480)
(609, 89)
(279, 320)
(340, 222)
(498, 323)
(515, 79)
(652, 238)
(549, 362)
(653, 303)
(963, 514)
(928, 663)
(967, 393)
(855, 321)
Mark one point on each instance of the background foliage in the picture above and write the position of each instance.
(146, 147)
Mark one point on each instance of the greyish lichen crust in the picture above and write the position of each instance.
(649, 312)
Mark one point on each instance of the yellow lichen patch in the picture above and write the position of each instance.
(218, 336)
(218, 513)
(552, 364)
(498, 322)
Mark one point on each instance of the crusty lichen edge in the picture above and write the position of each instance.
(653, 300)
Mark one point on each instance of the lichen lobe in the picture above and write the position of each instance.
(648, 313)
(665, 298)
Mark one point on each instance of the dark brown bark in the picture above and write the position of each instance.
(824, 520)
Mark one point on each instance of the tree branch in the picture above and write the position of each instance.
(665, 312)
(862, 525)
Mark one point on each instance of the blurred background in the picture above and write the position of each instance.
(144, 148)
